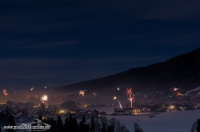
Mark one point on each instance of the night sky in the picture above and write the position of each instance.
(59, 42)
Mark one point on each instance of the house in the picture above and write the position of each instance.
(119, 111)
(145, 109)
(136, 110)
(128, 110)
(74, 111)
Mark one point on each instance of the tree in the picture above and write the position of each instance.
(71, 124)
(59, 124)
(48, 121)
(198, 125)
(40, 117)
(113, 123)
(137, 128)
(10, 122)
(97, 126)
(75, 125)
(92, 127)
(121, 127)
(52, 122)
(66, 124)
(103, 128)
(110, 129)
(82, 126)
(8, 103)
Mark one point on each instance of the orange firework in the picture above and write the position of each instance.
(177, 92)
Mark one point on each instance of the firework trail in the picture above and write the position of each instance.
(194, 93)
(193, 90)
(120, 104)
(5, 93)
(129, 94)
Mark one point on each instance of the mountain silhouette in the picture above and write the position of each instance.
(180, 71)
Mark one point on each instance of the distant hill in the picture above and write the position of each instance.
(181, 71)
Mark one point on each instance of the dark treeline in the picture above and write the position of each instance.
(72, 125)
(196, 126)
(7, 119)
(94, 125)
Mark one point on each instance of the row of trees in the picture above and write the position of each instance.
(7, 119)
(94, 125)
(196, 126)
(71, 124)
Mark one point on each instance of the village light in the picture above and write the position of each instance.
(85, 106)
(172, 107)
(62, 111)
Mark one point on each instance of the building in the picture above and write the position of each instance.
(74, 111)
(136, 110)
(128, 110)
(119, 111)
(145, 109)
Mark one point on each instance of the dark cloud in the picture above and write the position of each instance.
(62, 42)
(50, 69)
(156, 9)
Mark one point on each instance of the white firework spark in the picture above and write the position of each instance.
(44, 98)
(120, 104)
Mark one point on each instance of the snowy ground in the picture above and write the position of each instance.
(176, 121)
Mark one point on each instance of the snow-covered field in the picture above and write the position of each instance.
(175, 121)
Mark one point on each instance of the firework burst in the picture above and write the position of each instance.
(31, 89)
(120, 104)
(44, 98)
(177, 92)
(5, 93)
(130, 95)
